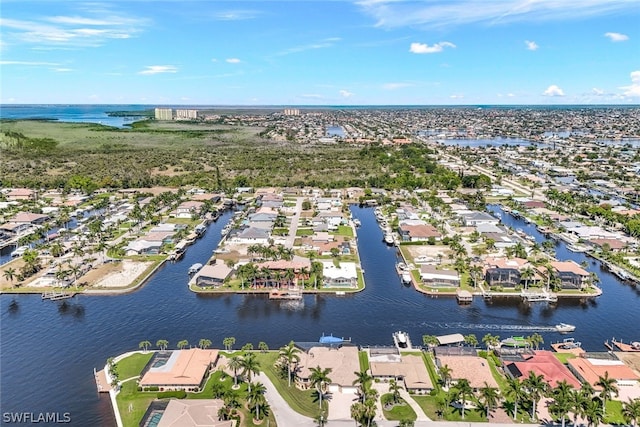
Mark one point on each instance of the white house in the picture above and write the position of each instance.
(344, 276)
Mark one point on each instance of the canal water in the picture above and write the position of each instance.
(49, 349)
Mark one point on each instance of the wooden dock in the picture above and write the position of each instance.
(464, 297)
(55, 296)
(101, 381)
(633, 347)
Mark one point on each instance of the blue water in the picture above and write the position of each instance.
(72, 113)
(49, 349)
(335, 131)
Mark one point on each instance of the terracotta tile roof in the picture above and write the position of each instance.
(591, 370)
(475, 369)
(185, 368)
(545, 363)
(342, 361)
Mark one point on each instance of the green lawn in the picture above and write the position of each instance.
(132, 366)
(614, 413)
(402, 411)
(563, 357)
(133, 403)
(304, 232)
(364, 361)
(344, 230)
(300, 401)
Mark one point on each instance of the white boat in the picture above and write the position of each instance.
(565, 328)
(576, 248)
(19, 251)
(388, 239)
(406, 277)
(401, 339)
(357, 222)
(195, 268)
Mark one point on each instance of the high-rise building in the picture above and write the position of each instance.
(186, 114)
(164, 114)
(291, 112)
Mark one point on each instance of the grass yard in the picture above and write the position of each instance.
(364, 361)
(133, 403)
(344, 230)
(402, 411)
(564, 357)
(132, 366)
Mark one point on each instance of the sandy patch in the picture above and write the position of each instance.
(431, 251)
(121, 275)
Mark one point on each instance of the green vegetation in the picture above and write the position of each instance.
(131, 366)
(364, 361)
(401, 411)
(344, 230)
(564, 357)
(132, 403)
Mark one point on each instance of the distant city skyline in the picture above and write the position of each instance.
(366, 52)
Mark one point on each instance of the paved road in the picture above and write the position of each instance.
(293, 228)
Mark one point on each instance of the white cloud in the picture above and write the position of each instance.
(233, 60)
(456, 96)
(633, 90)
(616, 37)
(236, 15)
(531, 45)
(346, 93)
(596, 91)
(61, 70)
(31, 63)
(553, 90)
(322, 44)
(396, 85)
(158, 69)
(425, 48)
(394, 13)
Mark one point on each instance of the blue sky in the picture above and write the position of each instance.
(360, 52)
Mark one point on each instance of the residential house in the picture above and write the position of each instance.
(571, 275)
(507, 272)
(343, 276)
(143, 247)
(409, 370)
(474, 369)
(213, 275)
(252, 236)
(590, 370)
(183, 369)
(542, 362)
(192, 413)
(189, 209)
(343, 362)
(418, 232)
(433, 277)
(475, 218)
(29, 218)
(21, 194)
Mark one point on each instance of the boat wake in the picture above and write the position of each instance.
(489, 327)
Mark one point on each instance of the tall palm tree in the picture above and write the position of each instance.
(462, 392)
(489, 395)
(362, 380)
(593, 412)
(578, 402)
(250, 365)
(562, 400)
(515, 390)
(182, 344)
(228, 343)
(445, 375)
(526, 275)
(235, 363)
(204, 343)
(289, 354)
(144, 345)
(10, 274)
(319, 379)
(536, 388)
(631, 411)
(162, 344)
(394, 389)
(256, 397)
(608, 387)
(471, 340)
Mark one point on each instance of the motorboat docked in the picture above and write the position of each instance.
(357, 222)
(200, 229)
(565, 328)
(330, 339)
(576, 248)
(19, 251)
(570, 343)
(195, 268)
(515, 342)
(406, 277)
(388, 239)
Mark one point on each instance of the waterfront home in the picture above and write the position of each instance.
(507, 272)
(475, 218)
(159, 236)
(332, 218)
(252, 236)
(417, 231)
(29, 218)
(185, 413)
(343, 362)
(408, 370)
(213, 275)
(179, 369)
(143, 247)
(14, 229)
(189, 209)
(431, 276)
(571, 275)
(541, 362)
(471, 367)
(590, 370)
(206, 197)
(343, 276)
(614, 245)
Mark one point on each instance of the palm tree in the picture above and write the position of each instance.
(475, 271)
(250, 366)
(163, 344)
(631, 411)
(228, 343)
(536, 387)
(490, 340)
(10, 274)
(204, 343)
(263, 347)
(234, 364)
(609, 387)
(515, 390)
(182, 344)
(144, 345)
(362, 380)
(593, 412)
(471, 340)
(430, 340)
(489, 396)
(578, 402)
(289, 354)
(462, 391)
(562, 400)
(445, 375)
(394, 389)
(536, 340)
(526, 275)
(319, 379)
(256, 397)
